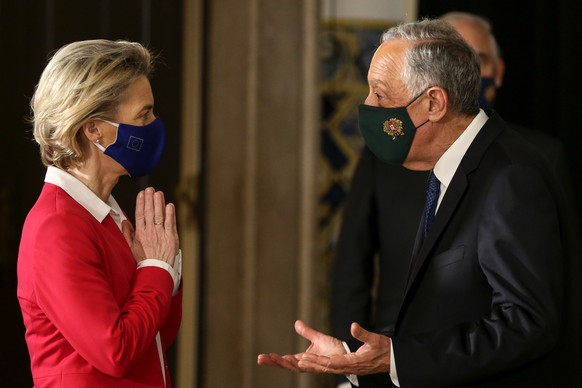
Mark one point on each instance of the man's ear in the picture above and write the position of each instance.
(438, 101)
(91, 131)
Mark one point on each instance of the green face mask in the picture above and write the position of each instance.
(388, 132)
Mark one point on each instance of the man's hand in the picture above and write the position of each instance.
(372, 357)
(320, 344)
(327, 354)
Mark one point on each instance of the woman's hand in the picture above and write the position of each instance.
(155, 235)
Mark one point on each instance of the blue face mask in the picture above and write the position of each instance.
(487, 93)
(138, 149)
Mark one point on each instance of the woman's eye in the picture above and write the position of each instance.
(146, 116)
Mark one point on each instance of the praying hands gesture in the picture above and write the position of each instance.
(155, 235)
(327, 354)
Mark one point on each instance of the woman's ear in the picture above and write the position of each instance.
(91, 131)
(438, 100)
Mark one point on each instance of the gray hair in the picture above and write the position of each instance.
(83, 81)
(482, 22)
(439, 57)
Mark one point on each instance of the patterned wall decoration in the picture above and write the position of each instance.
(346, 51)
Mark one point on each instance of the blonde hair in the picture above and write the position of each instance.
(83, 81)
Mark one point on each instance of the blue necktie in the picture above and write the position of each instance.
(432, 196)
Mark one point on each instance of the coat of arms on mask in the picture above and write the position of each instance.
(393, 127)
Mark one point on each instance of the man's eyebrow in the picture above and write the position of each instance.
(376, 82)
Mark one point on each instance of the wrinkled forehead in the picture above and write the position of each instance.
(388, 61)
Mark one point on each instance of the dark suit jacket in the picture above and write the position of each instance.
(490, 299)
(382, 214)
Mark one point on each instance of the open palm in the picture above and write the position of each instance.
(327, 354)
(321, 345)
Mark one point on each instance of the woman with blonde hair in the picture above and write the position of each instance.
(101, 300)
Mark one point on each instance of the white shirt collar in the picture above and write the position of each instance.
(84, 196)
(448, 163)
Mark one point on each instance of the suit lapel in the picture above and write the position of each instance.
(448, 205)
(453, 195)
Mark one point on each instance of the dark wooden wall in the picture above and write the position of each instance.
(29, 31)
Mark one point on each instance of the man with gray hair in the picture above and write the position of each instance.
(488, 299)
(370, 292)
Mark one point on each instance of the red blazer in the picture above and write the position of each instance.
(91, 318)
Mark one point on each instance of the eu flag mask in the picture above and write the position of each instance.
(138, 149)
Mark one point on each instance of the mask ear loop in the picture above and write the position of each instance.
(416, 98)
(96, 143)
(410, 103)
(116, 125)
(427, 120)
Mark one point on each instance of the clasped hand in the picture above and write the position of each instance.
(326, 354)
(155, 235)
